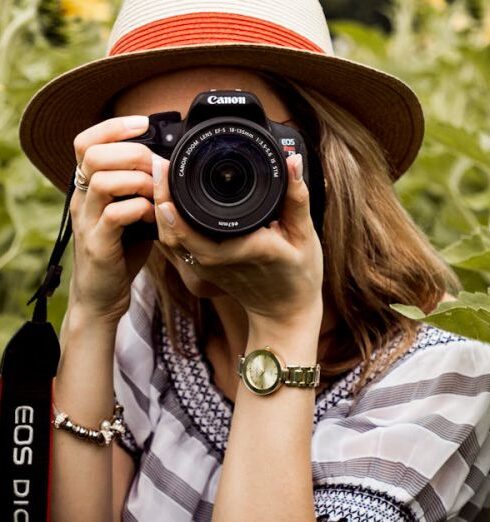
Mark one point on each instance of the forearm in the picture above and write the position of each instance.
(266, 472)
(82, 479)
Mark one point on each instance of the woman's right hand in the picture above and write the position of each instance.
(103, 267)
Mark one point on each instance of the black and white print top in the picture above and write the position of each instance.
(414, 446)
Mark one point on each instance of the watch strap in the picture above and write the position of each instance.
(301, 376)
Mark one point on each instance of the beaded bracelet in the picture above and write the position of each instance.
(109, 430)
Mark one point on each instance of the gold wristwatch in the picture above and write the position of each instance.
(263, 372)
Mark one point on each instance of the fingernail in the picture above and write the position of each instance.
(168, 214)
(136, 122)
(157, 168)
(298, 167)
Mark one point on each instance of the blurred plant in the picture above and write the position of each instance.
(39, 39)
(441, 49)
(369, 12)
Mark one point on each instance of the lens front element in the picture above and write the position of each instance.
(230, 181)
(227, 177)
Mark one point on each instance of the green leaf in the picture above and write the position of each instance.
(473, 281)
(468, 315)
(7, 151)
(368, 37)
(471, 252)
(459, 141)
(412, 312)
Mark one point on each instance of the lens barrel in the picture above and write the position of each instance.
(228, 177)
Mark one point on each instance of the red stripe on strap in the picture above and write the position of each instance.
(203, 28)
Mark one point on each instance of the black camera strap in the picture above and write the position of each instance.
(29, 364)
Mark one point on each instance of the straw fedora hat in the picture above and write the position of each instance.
(288, 38)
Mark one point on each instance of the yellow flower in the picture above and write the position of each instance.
(96, 10)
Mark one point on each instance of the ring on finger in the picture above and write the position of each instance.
(81, 180)
(188, 258)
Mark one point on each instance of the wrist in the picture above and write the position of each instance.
(81, 314)
(81, 321)
(295, 337)
(310, 316)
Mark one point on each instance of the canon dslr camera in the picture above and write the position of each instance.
(228, 172)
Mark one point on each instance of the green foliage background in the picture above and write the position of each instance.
(442, 50)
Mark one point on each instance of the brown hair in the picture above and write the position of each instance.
(385, 258)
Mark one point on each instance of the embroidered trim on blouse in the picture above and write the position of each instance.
(203, 403)
(426, 337)
(359, 504)
(207, 406)
(211, 411)
(127, 442)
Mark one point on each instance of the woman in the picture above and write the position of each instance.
(397, 428)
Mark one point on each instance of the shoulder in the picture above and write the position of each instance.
(418, 435)
(441, 374)
(430, 336)
(436, 352)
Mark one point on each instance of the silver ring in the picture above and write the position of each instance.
(81, 180)
(188, 258)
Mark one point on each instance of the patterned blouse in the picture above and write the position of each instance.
(414, 445)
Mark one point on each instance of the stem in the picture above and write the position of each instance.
(5, 14)
(12, 252)
(460, 167)
(15, 247)
(10, 33)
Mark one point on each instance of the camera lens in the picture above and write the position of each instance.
(229, 180)
(227, 172)
(227, 177)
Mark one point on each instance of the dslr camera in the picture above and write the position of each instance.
(228, 172)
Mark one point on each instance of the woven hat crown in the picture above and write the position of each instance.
(150, 24)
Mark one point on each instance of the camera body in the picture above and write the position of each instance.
(228, 172)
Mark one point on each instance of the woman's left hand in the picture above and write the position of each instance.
(275, 272)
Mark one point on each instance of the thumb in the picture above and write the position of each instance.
(161, 191)
(296, 217)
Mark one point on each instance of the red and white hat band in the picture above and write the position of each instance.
(152, 24)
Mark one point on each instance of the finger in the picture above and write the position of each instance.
(160, 168)
(262, 245)
(105, 186)
(116, 156)
(295, 217)
(108, 131)
(119, 214)
(174, 231)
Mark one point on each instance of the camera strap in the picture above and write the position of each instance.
(29, 365)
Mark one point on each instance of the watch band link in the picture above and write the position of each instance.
(301, 376)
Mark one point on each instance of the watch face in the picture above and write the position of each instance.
(262, 372)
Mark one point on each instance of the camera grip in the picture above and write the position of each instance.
(139, 231)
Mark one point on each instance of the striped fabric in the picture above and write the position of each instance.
(150, 24)
(414, 445)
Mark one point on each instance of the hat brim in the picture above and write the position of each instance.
(75, 100)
